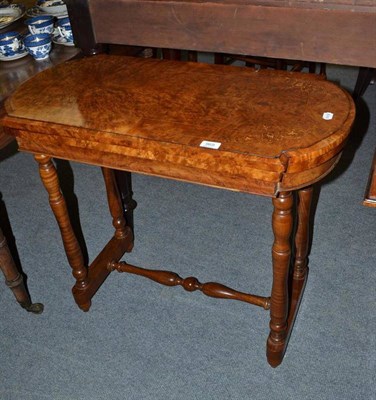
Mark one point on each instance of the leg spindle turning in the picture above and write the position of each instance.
(73, 251)
(191, 284)
(115, 204)
(302, 233)
(282, 222)
(124, 184)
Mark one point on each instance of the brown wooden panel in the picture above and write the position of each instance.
(335, 32)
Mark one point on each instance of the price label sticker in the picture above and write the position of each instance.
(210, 145)
(327, 116)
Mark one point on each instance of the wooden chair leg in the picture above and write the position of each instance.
(73, 251)
(282, 222)
(14, 279)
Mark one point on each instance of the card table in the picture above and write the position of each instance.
(262, 132)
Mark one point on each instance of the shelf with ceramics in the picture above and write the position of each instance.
(46, 17)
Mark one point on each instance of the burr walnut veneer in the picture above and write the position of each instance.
(276, 133)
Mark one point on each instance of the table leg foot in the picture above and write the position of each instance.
(276, 352)
(19, 290)
(85, 306)
(34, 308)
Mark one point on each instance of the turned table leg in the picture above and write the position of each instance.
(302, 234)
(282, 222)
(73, 251)
(14, 280)
(124, 184)
(115, 205)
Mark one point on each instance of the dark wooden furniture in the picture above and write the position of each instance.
(329, 31)
(365, 77)
(12, 74)
(14, 279)
(269, 133)
(370, 195)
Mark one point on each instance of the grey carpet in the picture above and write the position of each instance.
(144, 341)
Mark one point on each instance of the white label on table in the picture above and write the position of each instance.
(327, 116)
(210, 145)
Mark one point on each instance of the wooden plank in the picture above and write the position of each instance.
(333, 32)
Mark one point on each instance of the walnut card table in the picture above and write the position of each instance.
(268, 133)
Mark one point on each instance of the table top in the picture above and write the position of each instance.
(151, 116)
(249, 111)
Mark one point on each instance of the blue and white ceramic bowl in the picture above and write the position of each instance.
(10, 44)
(40, 24)
(39, 45)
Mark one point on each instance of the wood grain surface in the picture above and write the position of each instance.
(330, 31)
(150, 116)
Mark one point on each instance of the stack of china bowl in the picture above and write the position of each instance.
(43, 31)
(63, 32)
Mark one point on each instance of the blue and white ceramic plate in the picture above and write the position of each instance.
(16, 56)
(57, 39)
(37, 11)
(16, 11)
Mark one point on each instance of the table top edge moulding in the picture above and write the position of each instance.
(337, 32)
(259, 155)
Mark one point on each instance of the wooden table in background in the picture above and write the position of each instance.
(12, 74)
